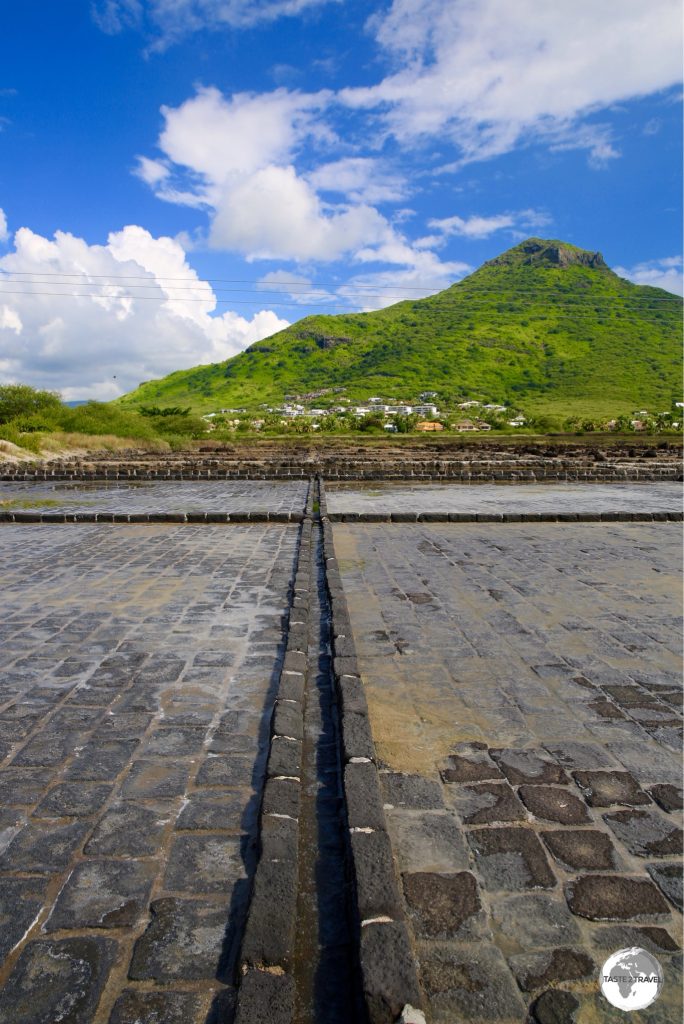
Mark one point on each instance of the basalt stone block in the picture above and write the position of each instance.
(156, 1007)
(376, 888)
(623, 936)
(20, 901)
(537, 970)
(103, 894)
(427, 841)
(58, 980)
(487, 802)
(173, 743)
(511, 858)
(291, 686)
(127, 830)
(279, 838)
(582, 849)
(285, 757)
(533, 921)
(265, 998)
(668, 796)
(668, 878)
(345, 647)
(470, 763)
(602, 788)
(443, 906)
(362, 792)
(580, 755)
(646, 833)
(388, 971)
(347, 666)
(204, 864)
(415, 791)
(352, 695)
(555, 1007)
(101, 759)
(183, 941)
(528, 766)
(288, 720)
(295, 661)
(464, 987)
(270, 931)
(155, 779)
(43, 847)
(226, 770)
(554, 805)
(614, 898)
(404, 517)
(357, 740)
(282, 796)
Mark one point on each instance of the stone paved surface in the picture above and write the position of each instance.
(157, 496)
(525, 694)
(388, 497)
(136, 666)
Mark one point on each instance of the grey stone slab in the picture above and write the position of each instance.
(73, 799)
(220, 770)
(646, 833)
(668, 878)
(155, 779)
(103, 894)
(216, 809)
(184, 941)
(403, 790)
(427, 840)
(467, 988)
(21, 899)
(510, 859)
(43, 847)
(204, 864)
(128, 830)
(533, 921)
(58, 980)
(157, 1007)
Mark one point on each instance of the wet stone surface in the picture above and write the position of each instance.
(128, 655)
(391, 497)
(158, 496)
(532, 679)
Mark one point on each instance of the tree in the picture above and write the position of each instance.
(22, 400)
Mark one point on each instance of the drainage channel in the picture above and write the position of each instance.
(326, 977)
(299, 955)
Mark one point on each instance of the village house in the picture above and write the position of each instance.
(429, 425)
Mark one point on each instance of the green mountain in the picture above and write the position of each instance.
(545, 326)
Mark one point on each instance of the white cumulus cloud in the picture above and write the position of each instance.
(476, 226)
(667, 273)
(4, 232)
(170, 20)
(94, 320)
(491, 74)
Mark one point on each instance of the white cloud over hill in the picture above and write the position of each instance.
(95, 320)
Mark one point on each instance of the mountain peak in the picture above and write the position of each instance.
(549, 251)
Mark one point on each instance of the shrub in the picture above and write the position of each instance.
(22, 400)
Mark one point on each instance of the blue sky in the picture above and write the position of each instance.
(179, 178)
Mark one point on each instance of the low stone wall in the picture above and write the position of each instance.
(335, 461)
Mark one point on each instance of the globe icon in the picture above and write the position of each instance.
(631, 979)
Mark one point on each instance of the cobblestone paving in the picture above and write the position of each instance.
(525, 696)
(651, 497)
(136, 666)
(156, 496)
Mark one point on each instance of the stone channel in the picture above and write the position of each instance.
(259, 765)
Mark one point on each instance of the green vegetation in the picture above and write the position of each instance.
(29, 417)
(545, 327)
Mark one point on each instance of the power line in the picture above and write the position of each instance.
(446, 310)
(291, 286)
